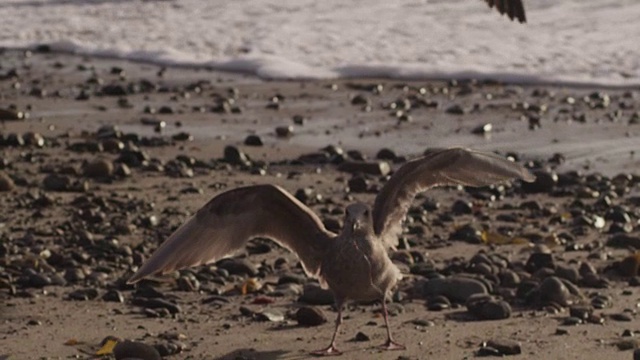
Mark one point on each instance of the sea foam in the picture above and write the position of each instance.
(569, 41)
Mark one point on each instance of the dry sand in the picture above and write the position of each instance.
(592, 129)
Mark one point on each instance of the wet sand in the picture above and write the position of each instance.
(68, 99)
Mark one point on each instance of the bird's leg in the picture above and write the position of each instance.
(390, 344)
(331, 349)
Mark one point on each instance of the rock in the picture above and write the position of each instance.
(11, 114)
(456, 289)
(467, 233)
(358, 184)
(545, 182)
(307, 196)
(234, 156)
(630, 265)
(269, 315)
(360, 336)
(482, 129)
(553, 290)
(310, 316)
(624, 241)
(438, 303)
(157, 303)
(456, 110)
(182, 136)
(54, 182)
(360, 100)
(504, 346)
(34, 139)
(299, 119)
(253, 140)
(486, 307)
(538, 261)
(386, 154)
(113, 296)
(238, 267)
(284, 131)
(6, 183)
(113, 90)
(83, 294)
(460, 207)
(99, 168)
(135, 350)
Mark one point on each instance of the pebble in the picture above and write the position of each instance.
(6, 183)
(361, 337)
(554, 290)
(504, 346)
(456, 289)
(358, 184)
(83, 294)
(624, 241)
(545, 182)
(99, 168)
(235, 156)
(284, 131)
(238, 267)
(157, 303)
(253, 140)
(310, 316)
(135, 350)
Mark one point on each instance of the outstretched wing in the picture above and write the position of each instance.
(513, 8)
(232, 218)
(455, 166)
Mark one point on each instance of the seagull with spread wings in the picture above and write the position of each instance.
(354, 264)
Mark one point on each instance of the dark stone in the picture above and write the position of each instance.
(310, 316)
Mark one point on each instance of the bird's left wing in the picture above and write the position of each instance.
(228, 221)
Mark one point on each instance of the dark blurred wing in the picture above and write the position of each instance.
(456, 166)
(513, 8)
(229, 220)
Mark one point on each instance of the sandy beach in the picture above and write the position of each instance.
(100, 159)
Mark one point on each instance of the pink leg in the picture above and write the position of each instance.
(331, 349)
(390, 344)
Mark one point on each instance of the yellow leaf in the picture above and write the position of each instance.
(249, 286)
(107, 348)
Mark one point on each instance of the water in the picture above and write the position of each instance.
(569, 41)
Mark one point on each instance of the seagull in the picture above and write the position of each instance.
(354, 264)
(513, 8)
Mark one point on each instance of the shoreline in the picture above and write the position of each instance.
(349, 72)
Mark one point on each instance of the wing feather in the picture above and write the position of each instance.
(228, 221)
(513, 8)
(455, 166)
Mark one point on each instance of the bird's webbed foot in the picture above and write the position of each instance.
(331, 350)
(390, 344)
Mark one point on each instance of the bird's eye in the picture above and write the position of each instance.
(366, 213)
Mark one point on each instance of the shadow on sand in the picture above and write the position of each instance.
(252, 354)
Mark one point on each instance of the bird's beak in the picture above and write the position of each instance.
(356, 225)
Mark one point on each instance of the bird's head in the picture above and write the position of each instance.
(357, 218)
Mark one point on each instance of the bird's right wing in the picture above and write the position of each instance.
(232, 218)
(513, 8)
(454, 166)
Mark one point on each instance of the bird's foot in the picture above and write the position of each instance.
(392, 345)
(329, 351)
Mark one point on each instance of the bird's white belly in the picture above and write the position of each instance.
(353, 274)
